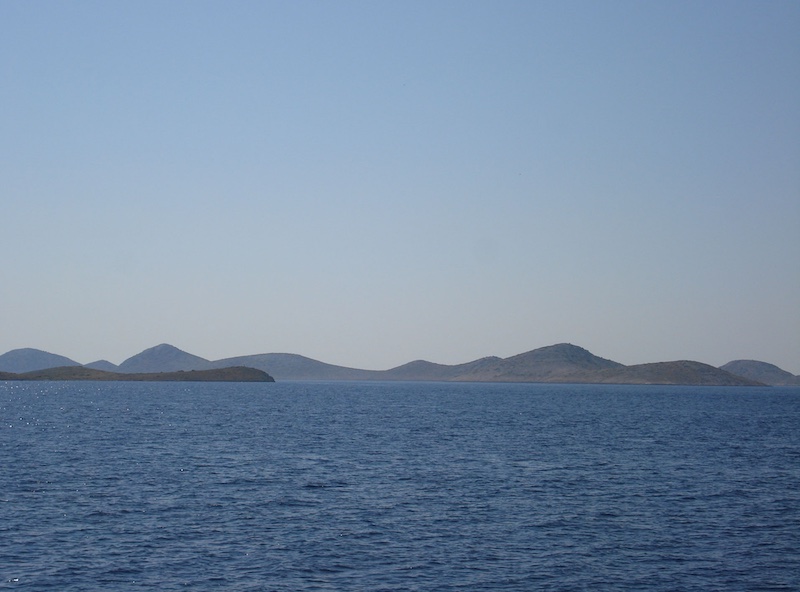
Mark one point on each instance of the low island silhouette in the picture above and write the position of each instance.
(228, 374)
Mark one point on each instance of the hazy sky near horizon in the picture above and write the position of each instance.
(368, 183)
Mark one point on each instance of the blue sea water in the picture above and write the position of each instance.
(398, 486)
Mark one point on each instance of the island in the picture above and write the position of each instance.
(228, 374)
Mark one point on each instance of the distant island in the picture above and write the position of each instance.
(229, 374)
(560, 363)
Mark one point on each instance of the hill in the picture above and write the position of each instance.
(102, 365)
(684, 372)
(27, 360)
(556, 363)
(230, 374)
(563, 362)
(163, 358)
(762, 372)
(296, 367)
(423, 370)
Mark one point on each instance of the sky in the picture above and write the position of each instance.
(369, 183)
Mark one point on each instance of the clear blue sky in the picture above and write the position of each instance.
(368, 183)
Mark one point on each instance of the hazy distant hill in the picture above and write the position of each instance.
(27, 360)
(296, 367)
(104, 365)
(285, 366)
(555, 363)
(762, 372)
(562, 362)
(680, 372)
(164, 358)
(423, 370)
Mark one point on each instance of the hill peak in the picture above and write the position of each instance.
(27, 359)
(762, 372)
(163, 358)
(565, 353)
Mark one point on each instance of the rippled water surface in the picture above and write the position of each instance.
(398, 486)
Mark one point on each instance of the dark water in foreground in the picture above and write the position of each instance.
(409, 486)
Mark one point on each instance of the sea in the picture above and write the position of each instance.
(381, 486)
